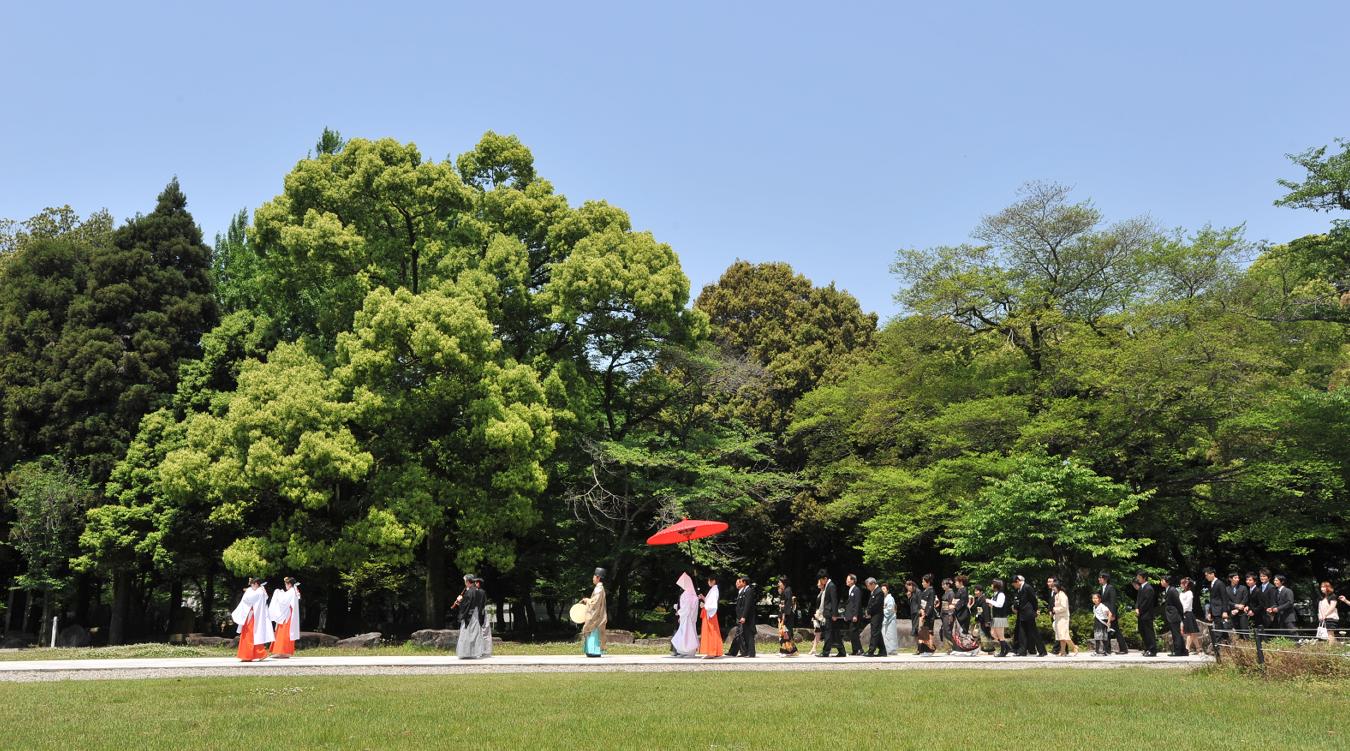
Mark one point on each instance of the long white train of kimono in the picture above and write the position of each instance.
(166, 667)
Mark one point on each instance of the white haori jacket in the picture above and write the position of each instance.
(254, 602)
(286, 607)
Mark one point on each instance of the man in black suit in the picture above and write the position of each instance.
(1172, 615)
(1217, 612)
(876, 606)
(829, 610)
(1109, 599)
(1281, 609)
(1108, 592)
(1146, 608)
(853, 613)
(744, 644)
(1026, 606)
(1256, 602)
(1237, 605)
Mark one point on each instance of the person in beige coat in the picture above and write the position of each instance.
(1059, 614)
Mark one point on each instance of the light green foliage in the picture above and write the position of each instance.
(459, 434)
(1327, 184)
(278, 467)
(372, 214)
(47, 500)
(1048, 516)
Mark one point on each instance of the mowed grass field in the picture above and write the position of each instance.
(931, 709)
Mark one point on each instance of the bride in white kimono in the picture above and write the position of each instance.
(685, 640)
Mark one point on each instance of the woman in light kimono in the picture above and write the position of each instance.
(710, 641)
(483, 623)
(285, 612)
(685, 640)
(470, 644)
(890, 636)
(593, 628)
(255, 627)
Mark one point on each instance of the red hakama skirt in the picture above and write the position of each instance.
(248, 651)
(284, 645)
(710, 639)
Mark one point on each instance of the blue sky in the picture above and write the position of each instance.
(824, 134)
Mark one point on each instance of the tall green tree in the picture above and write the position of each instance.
(1047, 517)
(145, 304)
(47, 501)
(775, 319)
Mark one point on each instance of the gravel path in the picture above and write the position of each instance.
(124, 669)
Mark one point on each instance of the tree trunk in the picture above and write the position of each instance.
(9, 612)
(45, 627)
(121, 604)
(209, 598)
(436, 594)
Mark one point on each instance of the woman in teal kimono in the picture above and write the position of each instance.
(593, 629)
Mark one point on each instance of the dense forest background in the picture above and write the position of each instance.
(399, 369)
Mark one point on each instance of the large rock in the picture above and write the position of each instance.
(311, 639)
(618, 636)
(439, 638)
(766, 633)
(364, 641)
(657, 642)
(73, 635)
(202, 640)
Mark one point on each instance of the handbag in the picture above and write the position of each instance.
(1322, 630)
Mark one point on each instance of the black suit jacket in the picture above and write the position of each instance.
(853, 608)
(1258, 600)
(1172, 605)
(1284, 602)
(877, 603)
(831, 606)
(915, 604)
(1146, 602)
(1109, 598)
(745, 606)
(1237, 597)
(1218, 599)
(1025, 602)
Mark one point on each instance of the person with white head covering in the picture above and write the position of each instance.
(255, 627)
(685, 640)
(593, 628)
(284, 610)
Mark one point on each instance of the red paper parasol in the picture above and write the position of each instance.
(689, 529)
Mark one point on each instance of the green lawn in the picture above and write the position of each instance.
(407, 648)
(954, 709)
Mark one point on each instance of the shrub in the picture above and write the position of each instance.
(1288, 660)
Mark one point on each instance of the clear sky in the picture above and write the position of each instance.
(824, 134)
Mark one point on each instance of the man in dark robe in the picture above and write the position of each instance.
(876, 605)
